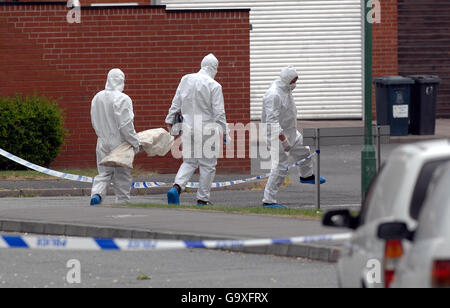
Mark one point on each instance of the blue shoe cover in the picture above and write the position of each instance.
(202, 203)
(274, 206)
(96, 200)
(173, 197)
(322, 181)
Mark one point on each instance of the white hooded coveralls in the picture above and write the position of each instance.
(280, 114)
(112, 119)
(200, 99)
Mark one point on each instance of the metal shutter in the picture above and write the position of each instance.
(321, 38)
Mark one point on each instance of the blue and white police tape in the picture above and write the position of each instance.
(67, 176)
(97, 244)
(137, 185)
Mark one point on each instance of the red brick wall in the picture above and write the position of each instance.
(424, 44)
(42, 53)
(385, 43)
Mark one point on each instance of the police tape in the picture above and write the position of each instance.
(137, 185)
(221, 184)
(98, 244)
(61, 175)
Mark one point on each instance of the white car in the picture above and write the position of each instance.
(427, 263)
(396, 194)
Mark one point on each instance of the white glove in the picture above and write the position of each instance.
(286, 145)
(227, 138)
(138, 149)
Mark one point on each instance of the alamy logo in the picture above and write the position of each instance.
(74, 274)
(374, 15)
(74, 14)
(374, 271)
(203, 140)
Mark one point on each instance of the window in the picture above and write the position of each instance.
(365, 206)
(420, 191)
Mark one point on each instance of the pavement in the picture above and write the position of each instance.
(61, 207)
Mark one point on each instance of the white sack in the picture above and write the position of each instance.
(155, 142)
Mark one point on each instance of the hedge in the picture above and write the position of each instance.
(31, 128)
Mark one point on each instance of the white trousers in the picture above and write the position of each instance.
(195, 156)
(207, 173)
(279, 170)
(120, 177)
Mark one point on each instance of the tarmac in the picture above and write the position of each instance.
(60, 207)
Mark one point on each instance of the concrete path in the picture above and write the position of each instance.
(71, 216)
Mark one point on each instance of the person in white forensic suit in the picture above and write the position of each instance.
(280, 116)
(112, 119)
(200, 99)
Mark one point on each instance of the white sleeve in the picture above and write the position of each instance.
(273, 107)
(218, 104)
(93, 103)
(123, 111)
(176, 105)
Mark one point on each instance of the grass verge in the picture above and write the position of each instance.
(31, 175)
(292, 213)
(24, 175)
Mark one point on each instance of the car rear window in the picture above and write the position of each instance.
(421, 188)
(384, 190)
(435, 214)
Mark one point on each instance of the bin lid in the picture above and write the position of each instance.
(393, 80)
(425, 78)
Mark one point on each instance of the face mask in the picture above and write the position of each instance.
(293, 86)
(214, 72)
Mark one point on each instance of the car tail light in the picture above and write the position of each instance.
(392, 254)
(441, 274)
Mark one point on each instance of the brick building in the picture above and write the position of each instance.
(156, 45)
(43, 53)
(424, 44)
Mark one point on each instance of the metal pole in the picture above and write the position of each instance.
(379, 147)
(368, 159)
(317, 176)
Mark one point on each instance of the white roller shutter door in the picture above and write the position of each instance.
(321, 38)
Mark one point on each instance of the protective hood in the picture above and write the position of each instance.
(287, 75)
(210, 64)
(116, 80)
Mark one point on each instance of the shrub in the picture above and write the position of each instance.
(31, 128)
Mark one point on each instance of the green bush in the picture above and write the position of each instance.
(31, 128)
